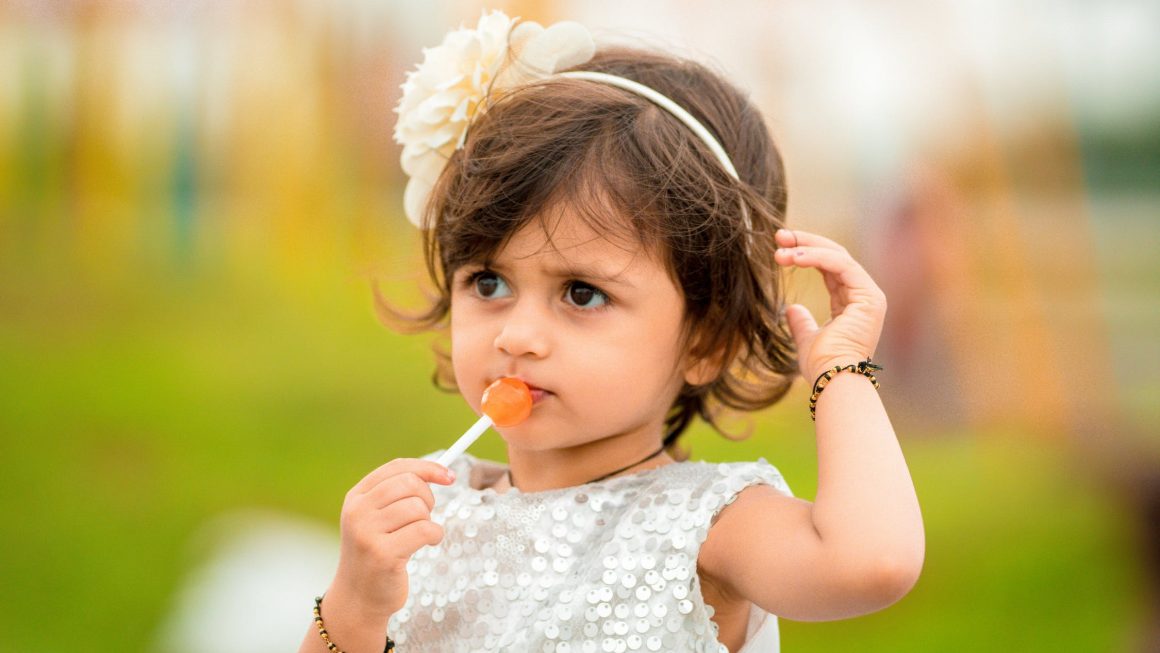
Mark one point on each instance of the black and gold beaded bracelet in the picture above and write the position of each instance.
(390, 646)
(865, 368)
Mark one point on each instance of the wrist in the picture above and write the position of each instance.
(341, 598)
(344, 622)
(817, 369)
(863, 367)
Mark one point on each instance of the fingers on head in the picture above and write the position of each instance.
(800, 319)
(834, 260)
(799, 238)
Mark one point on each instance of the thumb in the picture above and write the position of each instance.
(802, 325)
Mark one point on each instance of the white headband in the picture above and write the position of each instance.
(665, 103)
(443, 94)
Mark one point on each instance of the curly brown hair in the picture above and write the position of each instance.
(594, 147)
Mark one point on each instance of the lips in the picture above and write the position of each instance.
(538, 393)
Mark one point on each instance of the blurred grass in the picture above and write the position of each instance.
(131, 413)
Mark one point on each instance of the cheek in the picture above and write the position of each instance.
(466, 359)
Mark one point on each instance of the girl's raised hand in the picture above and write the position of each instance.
(386, 518)
(857, 304)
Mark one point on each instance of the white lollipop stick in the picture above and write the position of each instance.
(465, 440)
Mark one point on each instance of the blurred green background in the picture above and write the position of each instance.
(197, 200)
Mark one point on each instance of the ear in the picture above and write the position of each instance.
(704, 370)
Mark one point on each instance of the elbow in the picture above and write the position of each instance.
(890, 577)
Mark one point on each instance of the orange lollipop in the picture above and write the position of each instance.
(506, 402)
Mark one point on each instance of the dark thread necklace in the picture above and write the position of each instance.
(654, 454)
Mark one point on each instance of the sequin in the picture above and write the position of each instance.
(609, 567)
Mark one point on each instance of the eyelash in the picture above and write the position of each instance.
(472, 278)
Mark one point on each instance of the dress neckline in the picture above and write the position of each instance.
(491, 471)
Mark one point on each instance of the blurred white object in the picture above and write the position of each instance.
(255, 590)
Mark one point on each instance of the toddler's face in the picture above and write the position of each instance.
(593, 325)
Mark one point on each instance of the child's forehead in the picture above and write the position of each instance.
(565, 233)
(573, 238)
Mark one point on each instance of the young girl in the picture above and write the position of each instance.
(606, 227)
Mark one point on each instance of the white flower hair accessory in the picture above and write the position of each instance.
(445, 92)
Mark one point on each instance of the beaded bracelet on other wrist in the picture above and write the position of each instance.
(390, 646)
(865, 368)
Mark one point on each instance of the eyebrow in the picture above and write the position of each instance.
(592, 273)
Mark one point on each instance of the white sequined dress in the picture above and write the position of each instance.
(602, 567)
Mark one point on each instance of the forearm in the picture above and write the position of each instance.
(866, 511)
(349, 628)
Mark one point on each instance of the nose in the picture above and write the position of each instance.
(525, 331)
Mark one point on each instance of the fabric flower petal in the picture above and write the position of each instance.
(560, 46)
(443, 93)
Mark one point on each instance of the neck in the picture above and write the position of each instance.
(537, 471)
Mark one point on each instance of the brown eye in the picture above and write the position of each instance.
(488, 285)
(583, 295)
